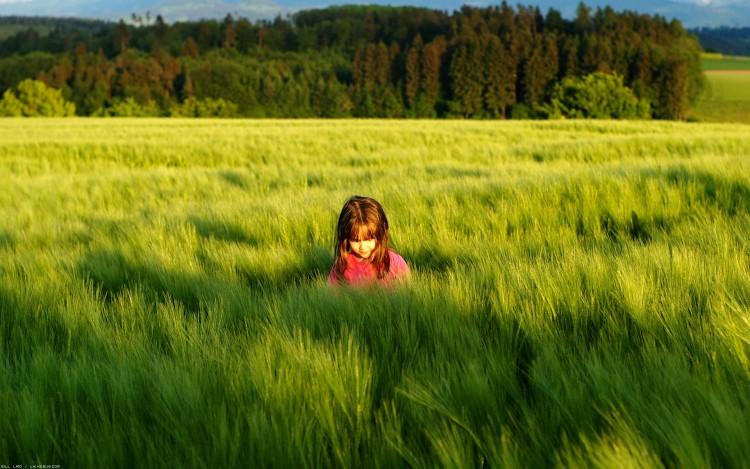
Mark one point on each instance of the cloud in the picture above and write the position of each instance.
(11, 2)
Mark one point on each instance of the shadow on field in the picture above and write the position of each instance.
(701, 189)
(112, 273)
(633, 227)
(223, 231)
(31, 317)
(405, 331)
(235, 179)
(313, 263)
(731, 197)
(431, 260)
(6, 239)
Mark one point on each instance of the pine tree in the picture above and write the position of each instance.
(673, 96)
(583, 22)
(245, 35)
(467, 77)
(531, 81)
(500, 76)
(412, 73)
(161, 30)
(359, 66)
(569, 56)
(122, 36)
(431, 66)
(228, 33)
(382, 65)
(191, 48)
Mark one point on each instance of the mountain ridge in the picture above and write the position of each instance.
(692, 14)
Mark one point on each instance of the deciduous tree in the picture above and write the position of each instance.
(34, 99)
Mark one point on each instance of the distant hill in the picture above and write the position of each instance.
(171, 10)
(691, 13)
(23, 34)
(43, 25)
(728, 41)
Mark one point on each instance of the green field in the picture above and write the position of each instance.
(580, 297)
(728, 87)
(726, 99)
(727, 96)
(725, 62)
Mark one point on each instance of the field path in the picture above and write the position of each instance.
(727, 72)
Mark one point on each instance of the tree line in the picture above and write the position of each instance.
(725, 40)
(363, 61)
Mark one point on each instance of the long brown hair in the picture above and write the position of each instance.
(362, 218)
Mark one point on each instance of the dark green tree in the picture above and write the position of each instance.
(412, 72)
(467, 78)
(500, 76)
(431, 72)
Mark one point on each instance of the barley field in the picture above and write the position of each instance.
(580, 294)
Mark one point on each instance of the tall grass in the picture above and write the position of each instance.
(580, 294)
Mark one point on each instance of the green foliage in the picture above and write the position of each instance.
(128, 107)
(10, 106)
(467, 78)
(595, 96)
(24, 34)
(15, 69)
(329, 98)
(35, 99)
(208, 107)
(379, 61)
(521, 111)
(680, 80)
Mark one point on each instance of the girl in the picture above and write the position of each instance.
(362, 255)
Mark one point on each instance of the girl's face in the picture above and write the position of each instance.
(362, 248)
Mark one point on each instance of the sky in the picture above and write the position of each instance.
(692, 13)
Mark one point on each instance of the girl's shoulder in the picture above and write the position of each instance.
(397, 262)
(395, 255)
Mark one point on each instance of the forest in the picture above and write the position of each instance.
(360, 61)
(725, 40)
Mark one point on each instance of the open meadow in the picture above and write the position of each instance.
(727, 96)
(580, 294)
(721, 62)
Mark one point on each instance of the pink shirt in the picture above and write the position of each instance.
(359, 273)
